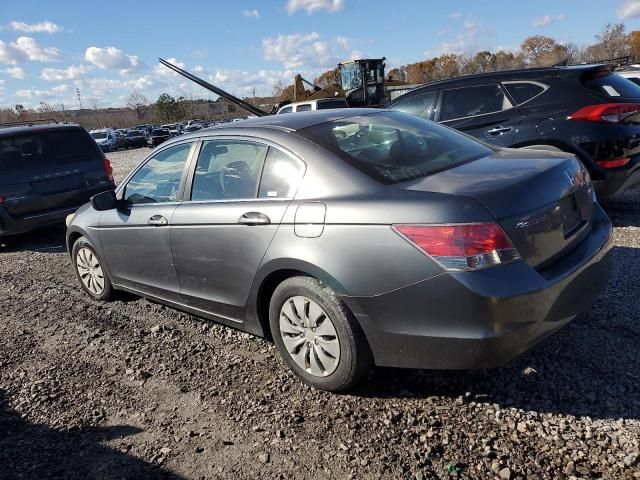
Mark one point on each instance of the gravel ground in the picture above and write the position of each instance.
(132, 389)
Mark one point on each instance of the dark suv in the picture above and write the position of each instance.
(47, 172)
(583, 109)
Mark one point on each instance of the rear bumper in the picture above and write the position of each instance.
(619, 180)
(13, 226)
(483, 319)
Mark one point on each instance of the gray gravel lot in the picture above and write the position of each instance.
(132, 389)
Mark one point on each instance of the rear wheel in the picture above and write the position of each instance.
(317, 336)
(89, 271)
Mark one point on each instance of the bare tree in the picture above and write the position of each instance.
(136, 101)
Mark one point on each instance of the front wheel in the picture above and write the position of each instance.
(317, 336)
(89, 271)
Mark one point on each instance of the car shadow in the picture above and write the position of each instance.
(46, 240)
(624, 209)
(588, 368)
(31, 451)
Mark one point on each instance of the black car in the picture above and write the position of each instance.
(159, 135)
(47, 172)
(583, 109)
(135, 139)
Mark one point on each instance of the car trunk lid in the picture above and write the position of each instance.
(541, 200)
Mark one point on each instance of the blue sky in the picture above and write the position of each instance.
(48, 49)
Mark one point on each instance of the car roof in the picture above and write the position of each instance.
(506, 75)
(298, 121)
(30, 128)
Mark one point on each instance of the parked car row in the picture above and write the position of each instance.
(357, 238)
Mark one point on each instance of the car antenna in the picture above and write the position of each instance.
(212, 88)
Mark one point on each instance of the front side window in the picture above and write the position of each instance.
(159, 179)
(420, 105)
(280, 176)
(227, 170)
(394, 147)
(303, 108)
(286, 110)
(472, 101)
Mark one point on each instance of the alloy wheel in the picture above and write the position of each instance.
(309, 336)
(90, 271)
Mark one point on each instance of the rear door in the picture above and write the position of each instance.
(483, 111)
(221, 234)
(136, 238)
(49, 169)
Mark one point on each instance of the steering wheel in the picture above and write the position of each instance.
(236, 170)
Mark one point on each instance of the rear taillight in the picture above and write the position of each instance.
(1, 199)
(606, 112)
(108, 168)
(613, 163)
(469, 246)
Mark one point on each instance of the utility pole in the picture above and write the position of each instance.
(78, 95)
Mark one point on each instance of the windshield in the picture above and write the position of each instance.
(394, 147)
(99, 135)
(161, 131)
(135, 133)
(351, 77)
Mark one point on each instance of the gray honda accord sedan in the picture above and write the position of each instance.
(353, 238)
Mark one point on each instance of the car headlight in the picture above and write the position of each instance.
(69, 219)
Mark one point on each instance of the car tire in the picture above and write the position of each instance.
(333, 353)
(88, 267)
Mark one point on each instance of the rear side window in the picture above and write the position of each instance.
(303, 108)
(393, 147)
(421, 105)
(472, 101)
(280, 176)
(612, 85)
(46, 149)
(524, 91)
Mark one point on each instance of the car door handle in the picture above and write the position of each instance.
(157, 220)
(498, 130)
(254, 218)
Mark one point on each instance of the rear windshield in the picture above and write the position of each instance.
(333, 103)
(45, 149)
(160, 131)
(99, 135)
(394, 147)
(612, 85)
(135, 133)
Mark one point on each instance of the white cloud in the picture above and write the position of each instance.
(242, 83)
(457, 14)
(42, 94)
(111, 58)
(305, 50)
(16, 72)
(41, 27)
(548, 20)
(251, 13)
(472, 39)
(166, 71)
(629, 9)
(56, 75)
(26, 49)
(313, 6)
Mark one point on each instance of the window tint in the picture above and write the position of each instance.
(286, 110)
(612, 85)
(333, 103)
(280, 176)
(46, 149)
(303, 108)
(635, 80)
(523, 91)
(394, 147)
(159, 179)
(472, 101)
(421, 105)
(227, 170)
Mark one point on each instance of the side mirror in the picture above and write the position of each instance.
(104, 201)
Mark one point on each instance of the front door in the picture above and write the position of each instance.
(239, 194)
(483, 111)
(136, 237)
